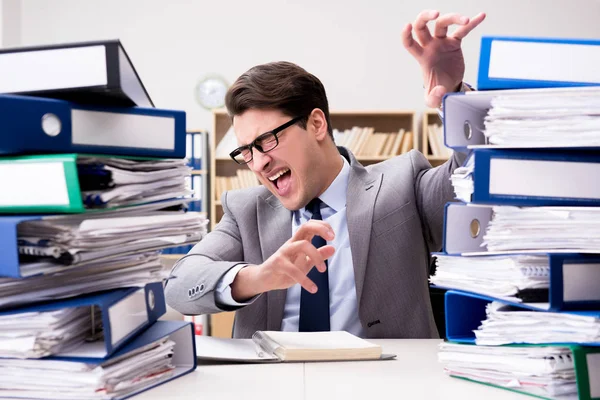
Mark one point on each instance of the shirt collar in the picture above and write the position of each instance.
(335, 195)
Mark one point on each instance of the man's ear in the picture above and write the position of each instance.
(317, 124)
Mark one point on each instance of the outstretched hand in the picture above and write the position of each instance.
(289, 265)
(440, 55)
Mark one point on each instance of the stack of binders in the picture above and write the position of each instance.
(521, 251)
(92, 190)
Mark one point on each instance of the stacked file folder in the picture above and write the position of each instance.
(93, 189)
(521, 250)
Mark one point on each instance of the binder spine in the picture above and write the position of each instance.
(491, 166)
(189, 149)
(40, 204)
(587, 371)
(112, 67)
(574, 291)
(463, 123)
(493, 79)
(197, 153)
(9, 256)
(464, 227)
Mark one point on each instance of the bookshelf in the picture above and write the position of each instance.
(435, 154)
(389, 122)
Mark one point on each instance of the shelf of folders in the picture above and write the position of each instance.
(197, 153)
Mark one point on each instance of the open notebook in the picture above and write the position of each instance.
(273, 346)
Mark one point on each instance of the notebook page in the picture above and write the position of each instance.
(243, 350)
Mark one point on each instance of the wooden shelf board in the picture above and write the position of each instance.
(375, 113)
(172, 256)
(437, 158)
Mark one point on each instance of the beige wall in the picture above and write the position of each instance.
(352, 45)
(10, 22)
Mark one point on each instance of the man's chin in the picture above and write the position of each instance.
(290, 204)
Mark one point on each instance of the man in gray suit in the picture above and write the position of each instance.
(324, 243)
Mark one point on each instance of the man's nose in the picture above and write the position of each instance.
(259, 161)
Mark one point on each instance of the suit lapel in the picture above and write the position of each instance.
(360, 202)
(274, 229)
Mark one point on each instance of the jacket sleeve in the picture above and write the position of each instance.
(433, 190)
(192, 284)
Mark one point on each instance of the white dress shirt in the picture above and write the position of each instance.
(343, 305)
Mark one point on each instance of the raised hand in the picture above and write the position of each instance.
(288, 265)
(440, 54)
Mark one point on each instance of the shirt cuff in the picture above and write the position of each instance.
(464, 87)
(223, 289)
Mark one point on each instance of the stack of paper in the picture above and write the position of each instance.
(547, 119)
(568, 229)
(505, 324)
(112, 182)
(508, 277)
(122, 271)
(540, 371)
(462, 180)
(528, 239)
(40, 334)
(54, 379)
(79, 240)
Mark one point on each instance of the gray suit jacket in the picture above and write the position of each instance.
(395, 215)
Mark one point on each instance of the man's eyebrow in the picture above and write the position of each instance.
(248, 144)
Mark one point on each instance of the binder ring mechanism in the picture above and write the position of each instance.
(468, 129)
(51, 124)
(151, 299)
(97, 331)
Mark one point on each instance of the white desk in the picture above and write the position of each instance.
(414, 374)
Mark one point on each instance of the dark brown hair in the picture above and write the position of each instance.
(282, 86)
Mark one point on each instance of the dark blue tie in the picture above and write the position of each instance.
(314, 308)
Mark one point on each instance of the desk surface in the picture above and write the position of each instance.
(415, 373)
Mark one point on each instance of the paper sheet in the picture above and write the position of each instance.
(496, 276)
(505, 325)
(553, 119)
(237, 350)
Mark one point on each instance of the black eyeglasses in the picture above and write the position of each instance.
(263, 143)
